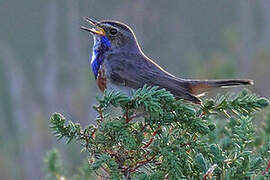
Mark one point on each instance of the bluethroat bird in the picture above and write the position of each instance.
(118, 63)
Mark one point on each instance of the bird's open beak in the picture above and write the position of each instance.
(97, 30)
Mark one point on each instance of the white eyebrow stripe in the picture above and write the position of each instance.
(124, 28)
(109, 25)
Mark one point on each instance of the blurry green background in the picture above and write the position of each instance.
(44, 61)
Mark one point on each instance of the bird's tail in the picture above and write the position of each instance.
(200, 86)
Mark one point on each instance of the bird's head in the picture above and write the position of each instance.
(112, 34)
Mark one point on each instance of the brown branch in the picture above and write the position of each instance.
(100, 113)
(126, 115)
(166, 176)
(209, 172)
(115, 155)
(142, 163)
(203, 113)
(144, 126)
(128, 119)
(149, 143)
(151, 140)
(267, 168)
(101, 176)
(185, 144)
(86, 138)
(146, 160)
(131, 118)
(93, 133)
(106, 170)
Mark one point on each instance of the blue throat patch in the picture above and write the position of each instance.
(101, 44)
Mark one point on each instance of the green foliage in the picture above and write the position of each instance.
(55, 171)
(54, 167)
(156, 137)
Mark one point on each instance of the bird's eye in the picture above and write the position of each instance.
(113, 31)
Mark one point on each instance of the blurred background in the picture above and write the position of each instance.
(45, 62)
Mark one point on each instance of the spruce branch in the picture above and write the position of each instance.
(54, 166)
(156, 136)
(243, 104)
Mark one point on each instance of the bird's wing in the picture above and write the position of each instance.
(136, 71)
